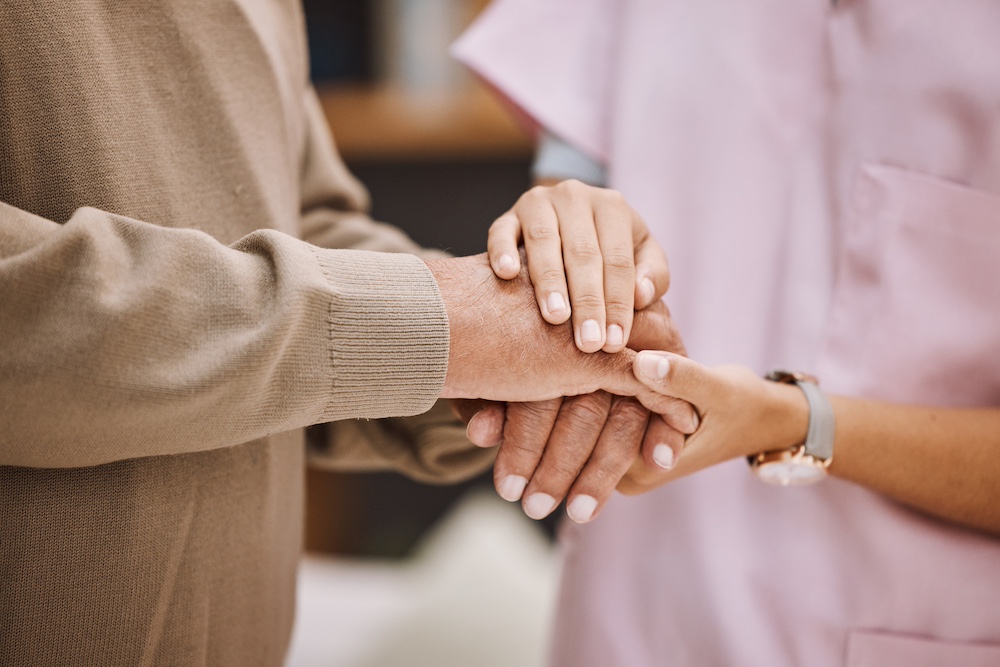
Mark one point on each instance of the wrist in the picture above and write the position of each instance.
(443, 274)
(805, 462)
(786, 417)
(460, 281)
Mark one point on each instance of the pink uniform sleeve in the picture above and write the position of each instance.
(553, 61)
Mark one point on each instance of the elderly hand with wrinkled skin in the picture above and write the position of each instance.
(502, 350)
(580, 448)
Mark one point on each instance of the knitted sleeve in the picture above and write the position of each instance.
(122, 339)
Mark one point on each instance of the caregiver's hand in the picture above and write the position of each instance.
(740, 414)
(589, 253)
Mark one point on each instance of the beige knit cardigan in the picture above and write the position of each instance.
(165, 335)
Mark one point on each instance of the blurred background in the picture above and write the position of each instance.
(399, 573)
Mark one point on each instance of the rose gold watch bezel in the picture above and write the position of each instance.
(795, 456)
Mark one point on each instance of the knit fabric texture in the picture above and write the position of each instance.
(166, 333)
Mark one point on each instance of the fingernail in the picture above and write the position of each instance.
(487, 436)
(663, 456)
(555, 303)
(590, 331)
(647, 289)
(539, 505)
(581, 509)
(653, 366)
(506, 263)
(616, 336)
(512, 487)
(471, 427)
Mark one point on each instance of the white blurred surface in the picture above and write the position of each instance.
(479, 592)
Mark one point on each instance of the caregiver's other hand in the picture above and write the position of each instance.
(740, 414)
(588, 253)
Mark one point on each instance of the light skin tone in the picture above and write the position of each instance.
(502, 350)
(546, 443)
(575, 447)
(940, 461)
(555, 449)
(612, 264)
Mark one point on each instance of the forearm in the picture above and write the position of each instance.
(940, 461)
(122, 339)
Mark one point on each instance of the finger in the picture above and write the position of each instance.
(613, 222)
(652, 270)
(483, 419)
(584, 266)
(576, 431)
(501, 246)
(485, 428)
(676, 412)
(673, 375)
(662, 444)
(654, 329)
(543, 248)
(662, 447)
(616, 450)
(526, 431)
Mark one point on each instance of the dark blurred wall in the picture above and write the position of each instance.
(340, 40)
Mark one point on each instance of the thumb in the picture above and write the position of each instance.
(675, 376)
(484, 420)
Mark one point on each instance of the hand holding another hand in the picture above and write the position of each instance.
(740, 414)
(589, 255)
(576, 448)
(501, 349)
(554, 447)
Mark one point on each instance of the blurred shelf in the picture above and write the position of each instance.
(386, 123)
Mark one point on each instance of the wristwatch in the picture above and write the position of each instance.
(805, 463)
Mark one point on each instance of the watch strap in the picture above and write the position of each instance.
(819, 437)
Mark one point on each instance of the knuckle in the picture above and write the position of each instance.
(588, 301)
(619, 312)
(572, 186)
(584, 250)
(588, 410)
(535, 193)
(628, 410)
(560, 473)
(530, 417)
(540, 232)
(551, 275)
(613, 196)
(619, 261)
(518, 449)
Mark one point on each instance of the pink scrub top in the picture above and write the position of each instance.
(826, 181)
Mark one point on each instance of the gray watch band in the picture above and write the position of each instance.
(819, 437)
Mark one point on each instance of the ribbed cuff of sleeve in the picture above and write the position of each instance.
(388, 332)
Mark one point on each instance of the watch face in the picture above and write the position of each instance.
(790, 473)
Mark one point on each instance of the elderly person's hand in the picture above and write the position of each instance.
(577, 448)
(501, 349)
